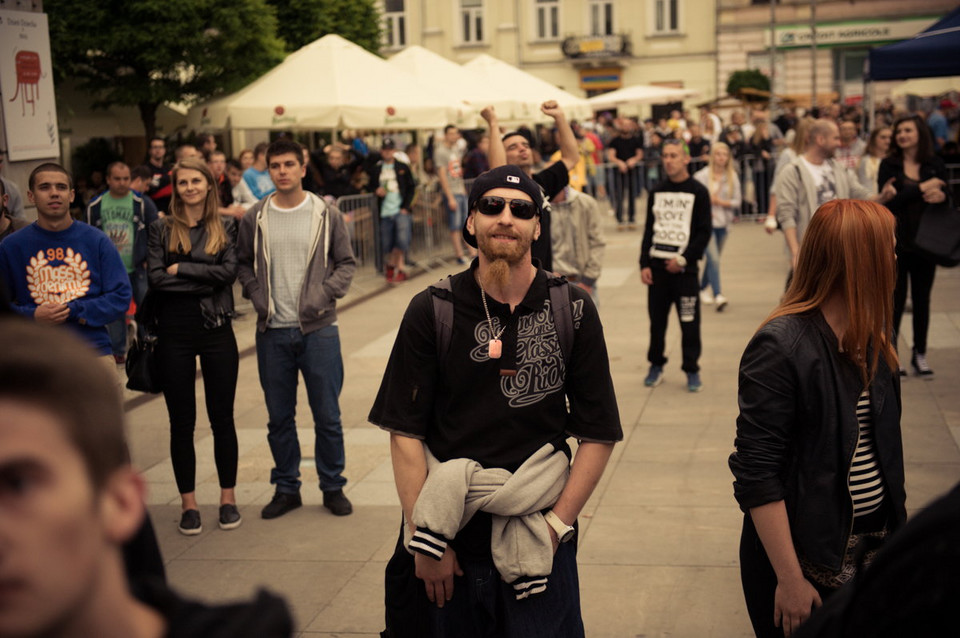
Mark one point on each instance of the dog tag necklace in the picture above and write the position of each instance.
(494, 346)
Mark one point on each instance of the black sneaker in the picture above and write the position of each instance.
(229, 516)
(280, 504)
(337, 503)
(190, 523)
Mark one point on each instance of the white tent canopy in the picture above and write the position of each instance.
(527, 90)
(434, 69)
(332, 83)
(640, 94)
(928, 87)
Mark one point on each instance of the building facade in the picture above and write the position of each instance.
(583, 46)
(822, 41)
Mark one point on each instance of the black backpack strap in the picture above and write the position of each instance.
(442, 293)
(562, 308)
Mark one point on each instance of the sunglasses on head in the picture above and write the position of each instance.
(519, 208)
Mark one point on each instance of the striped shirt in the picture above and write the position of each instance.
(866, 482)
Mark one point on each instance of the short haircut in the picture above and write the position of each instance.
(51, 369)
(157, 138)
(524, 134)
(448, 127)
(234, 163)
(203, 137)
(179, 152)
(674, 141)
(113, 165)
(260, 149)
(51, 167)
(284, 146)
(216, 152)
(141, 172)
(819, 127)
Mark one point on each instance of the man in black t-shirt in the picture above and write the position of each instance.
(625, 152)
(496, 397)
(514, 148)
(677, 231)
(159, 188)
(70, 500)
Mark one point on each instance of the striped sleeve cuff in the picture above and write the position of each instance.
(526, 586)
(428, 543)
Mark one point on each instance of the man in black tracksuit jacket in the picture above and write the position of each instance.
(676, 234)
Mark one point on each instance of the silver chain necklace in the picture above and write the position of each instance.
(494, 346)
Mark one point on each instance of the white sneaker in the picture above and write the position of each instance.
(706, 297)
(721, 303)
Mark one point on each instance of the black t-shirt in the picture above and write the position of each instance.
(266, 616)
(160, 189)
(698, 148)
(626, 147)
(552, 180)
(463, 407)
(678, 223)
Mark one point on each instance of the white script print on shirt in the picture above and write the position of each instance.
(57, 284)
(540, 368)
(672, 221)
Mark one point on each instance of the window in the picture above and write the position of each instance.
(471, 18)
(394, 24)
(548, 19)
(666, 16)
(601, 17)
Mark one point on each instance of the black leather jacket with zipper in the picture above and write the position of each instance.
(798, 430)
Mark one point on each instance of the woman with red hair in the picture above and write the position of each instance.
(819, 459)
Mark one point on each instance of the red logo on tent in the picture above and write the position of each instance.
(278, 110)
(391, 110)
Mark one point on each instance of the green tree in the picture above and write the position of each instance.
(303, 21)
(146, 52)
(748, 79)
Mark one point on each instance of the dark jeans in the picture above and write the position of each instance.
(118, 328)
(219, 361)
(760, 582)
(620, 183)
(282, 354)
(483, 606)
(681, 289)
(921, 272)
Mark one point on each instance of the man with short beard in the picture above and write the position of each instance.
(493, 408)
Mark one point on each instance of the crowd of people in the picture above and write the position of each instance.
(517, 331)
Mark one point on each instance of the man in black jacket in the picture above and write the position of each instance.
(70, 501)
(676, 234)
(395, 188)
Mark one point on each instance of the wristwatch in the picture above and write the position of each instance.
(564, 532)
(681, 261)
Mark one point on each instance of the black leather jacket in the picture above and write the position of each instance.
(210, 277)
(797, 433)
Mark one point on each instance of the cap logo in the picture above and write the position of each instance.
(513, 179)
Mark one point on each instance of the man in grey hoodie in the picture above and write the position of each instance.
(294, 262)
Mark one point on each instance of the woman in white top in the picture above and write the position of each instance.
(869, 165)
(722, 181)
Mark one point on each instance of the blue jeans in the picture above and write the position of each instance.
(456, 217)
(711, 273)
(118, 329)
(395, 232)
(283, 353)
(485, 606)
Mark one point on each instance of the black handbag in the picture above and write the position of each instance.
(143, 370)
(938, 234)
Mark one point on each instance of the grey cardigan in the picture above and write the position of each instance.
(520, 539)
(328, 272)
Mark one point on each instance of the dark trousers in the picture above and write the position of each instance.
(624, 183)
(921, 272)
(219, 362)
(760, 582)
(681, 289)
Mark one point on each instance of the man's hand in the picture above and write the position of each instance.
(793, 603)
(381, 191)
(437, 575)
(646, 276)
(623, 166)
(888, 192)
(552, 109)
(173, 269)
(452, 203)
(51, 313)
(489, 114)
(554, 541)
(673, 267)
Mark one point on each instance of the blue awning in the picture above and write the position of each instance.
(932, 53)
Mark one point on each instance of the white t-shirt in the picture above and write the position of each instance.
(824, 181)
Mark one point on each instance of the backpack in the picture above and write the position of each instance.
(560, 305)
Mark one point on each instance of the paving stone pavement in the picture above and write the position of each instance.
(658, 552)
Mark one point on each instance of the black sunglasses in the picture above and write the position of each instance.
(519, 208)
